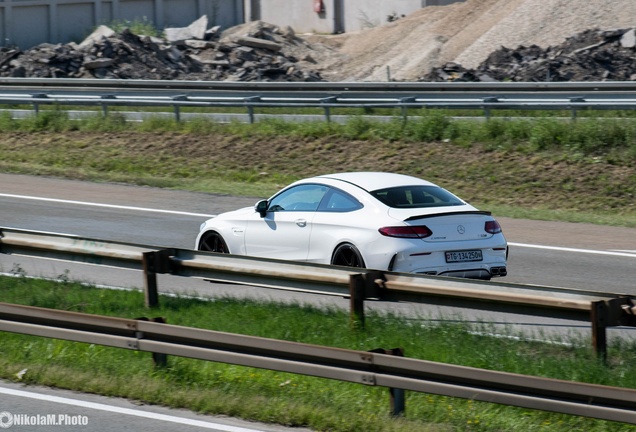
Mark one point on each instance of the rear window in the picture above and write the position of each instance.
(417, 197)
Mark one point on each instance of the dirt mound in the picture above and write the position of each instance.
(467, 33)
(473, 40)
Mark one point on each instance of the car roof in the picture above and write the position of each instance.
(371, 181)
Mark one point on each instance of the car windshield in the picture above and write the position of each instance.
(416, 197)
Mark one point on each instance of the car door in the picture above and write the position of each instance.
(284, 231)
(337, 220)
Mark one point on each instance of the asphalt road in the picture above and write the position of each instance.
(581, 256)
(542, 253)
(35, 408)
(578, 256)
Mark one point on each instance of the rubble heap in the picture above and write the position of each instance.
(258, 51)
(254, 52)
(592, 55)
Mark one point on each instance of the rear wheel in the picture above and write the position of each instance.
(213, 242)
(347, 255)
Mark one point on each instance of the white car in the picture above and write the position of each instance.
(375, 220)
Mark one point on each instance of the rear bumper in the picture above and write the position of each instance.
(476, 273)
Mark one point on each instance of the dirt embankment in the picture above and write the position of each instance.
(467, 33)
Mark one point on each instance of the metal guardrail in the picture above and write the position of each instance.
(57, 84)
(368, 368)
(602, 310)
(573, 97)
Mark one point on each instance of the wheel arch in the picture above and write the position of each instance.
(212, 232)
(349, 244)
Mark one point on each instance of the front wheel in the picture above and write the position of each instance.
(348, 256)
(213, 242)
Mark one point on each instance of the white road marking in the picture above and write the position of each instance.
(127, 411)
(105, 205)
(565, 249)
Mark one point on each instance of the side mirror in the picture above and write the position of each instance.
(261, 207)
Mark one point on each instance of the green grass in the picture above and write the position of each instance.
(294, 400)
(541, 168)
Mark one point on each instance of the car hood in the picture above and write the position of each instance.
(242, 212)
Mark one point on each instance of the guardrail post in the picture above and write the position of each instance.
(160, 360)
(619, 311)
(328, 100)
(573, 110)
(250, 108)
(154, 262)
(105, 104)
(599, 319)
(36, 105)
(176, 107)
(398, 396)
(404, 108)
(356, 296)
(488, 100)
(362, 287)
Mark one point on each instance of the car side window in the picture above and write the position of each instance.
(298, 198)
(339, 201)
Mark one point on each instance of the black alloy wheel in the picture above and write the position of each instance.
(348, 256)
(213, 242)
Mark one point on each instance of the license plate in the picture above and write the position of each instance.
(464, 256)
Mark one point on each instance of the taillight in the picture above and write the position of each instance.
(406, 231)
(493, 227)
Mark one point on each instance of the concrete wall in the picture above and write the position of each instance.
(361, 14)
(25, 23)
(338, 16)
(299, 14)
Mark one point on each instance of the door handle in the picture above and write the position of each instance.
(301, 222)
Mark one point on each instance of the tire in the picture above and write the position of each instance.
(347, 255)
(213, 242)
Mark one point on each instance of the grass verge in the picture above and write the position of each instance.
(294, 400)
(544, 168)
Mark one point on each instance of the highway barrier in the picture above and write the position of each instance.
(601, 310)
(375, 368)
(176, 95)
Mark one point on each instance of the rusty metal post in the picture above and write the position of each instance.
(599, 318)
(155, 262)
(356, 296)
(160, 360)
(398, 396)
(150, 277)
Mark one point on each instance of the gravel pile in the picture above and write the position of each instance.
(255, 52)
(475, 40)
(592, 55)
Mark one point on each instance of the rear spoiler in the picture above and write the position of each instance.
(475, 212)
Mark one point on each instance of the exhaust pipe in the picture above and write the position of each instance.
(498, 271)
